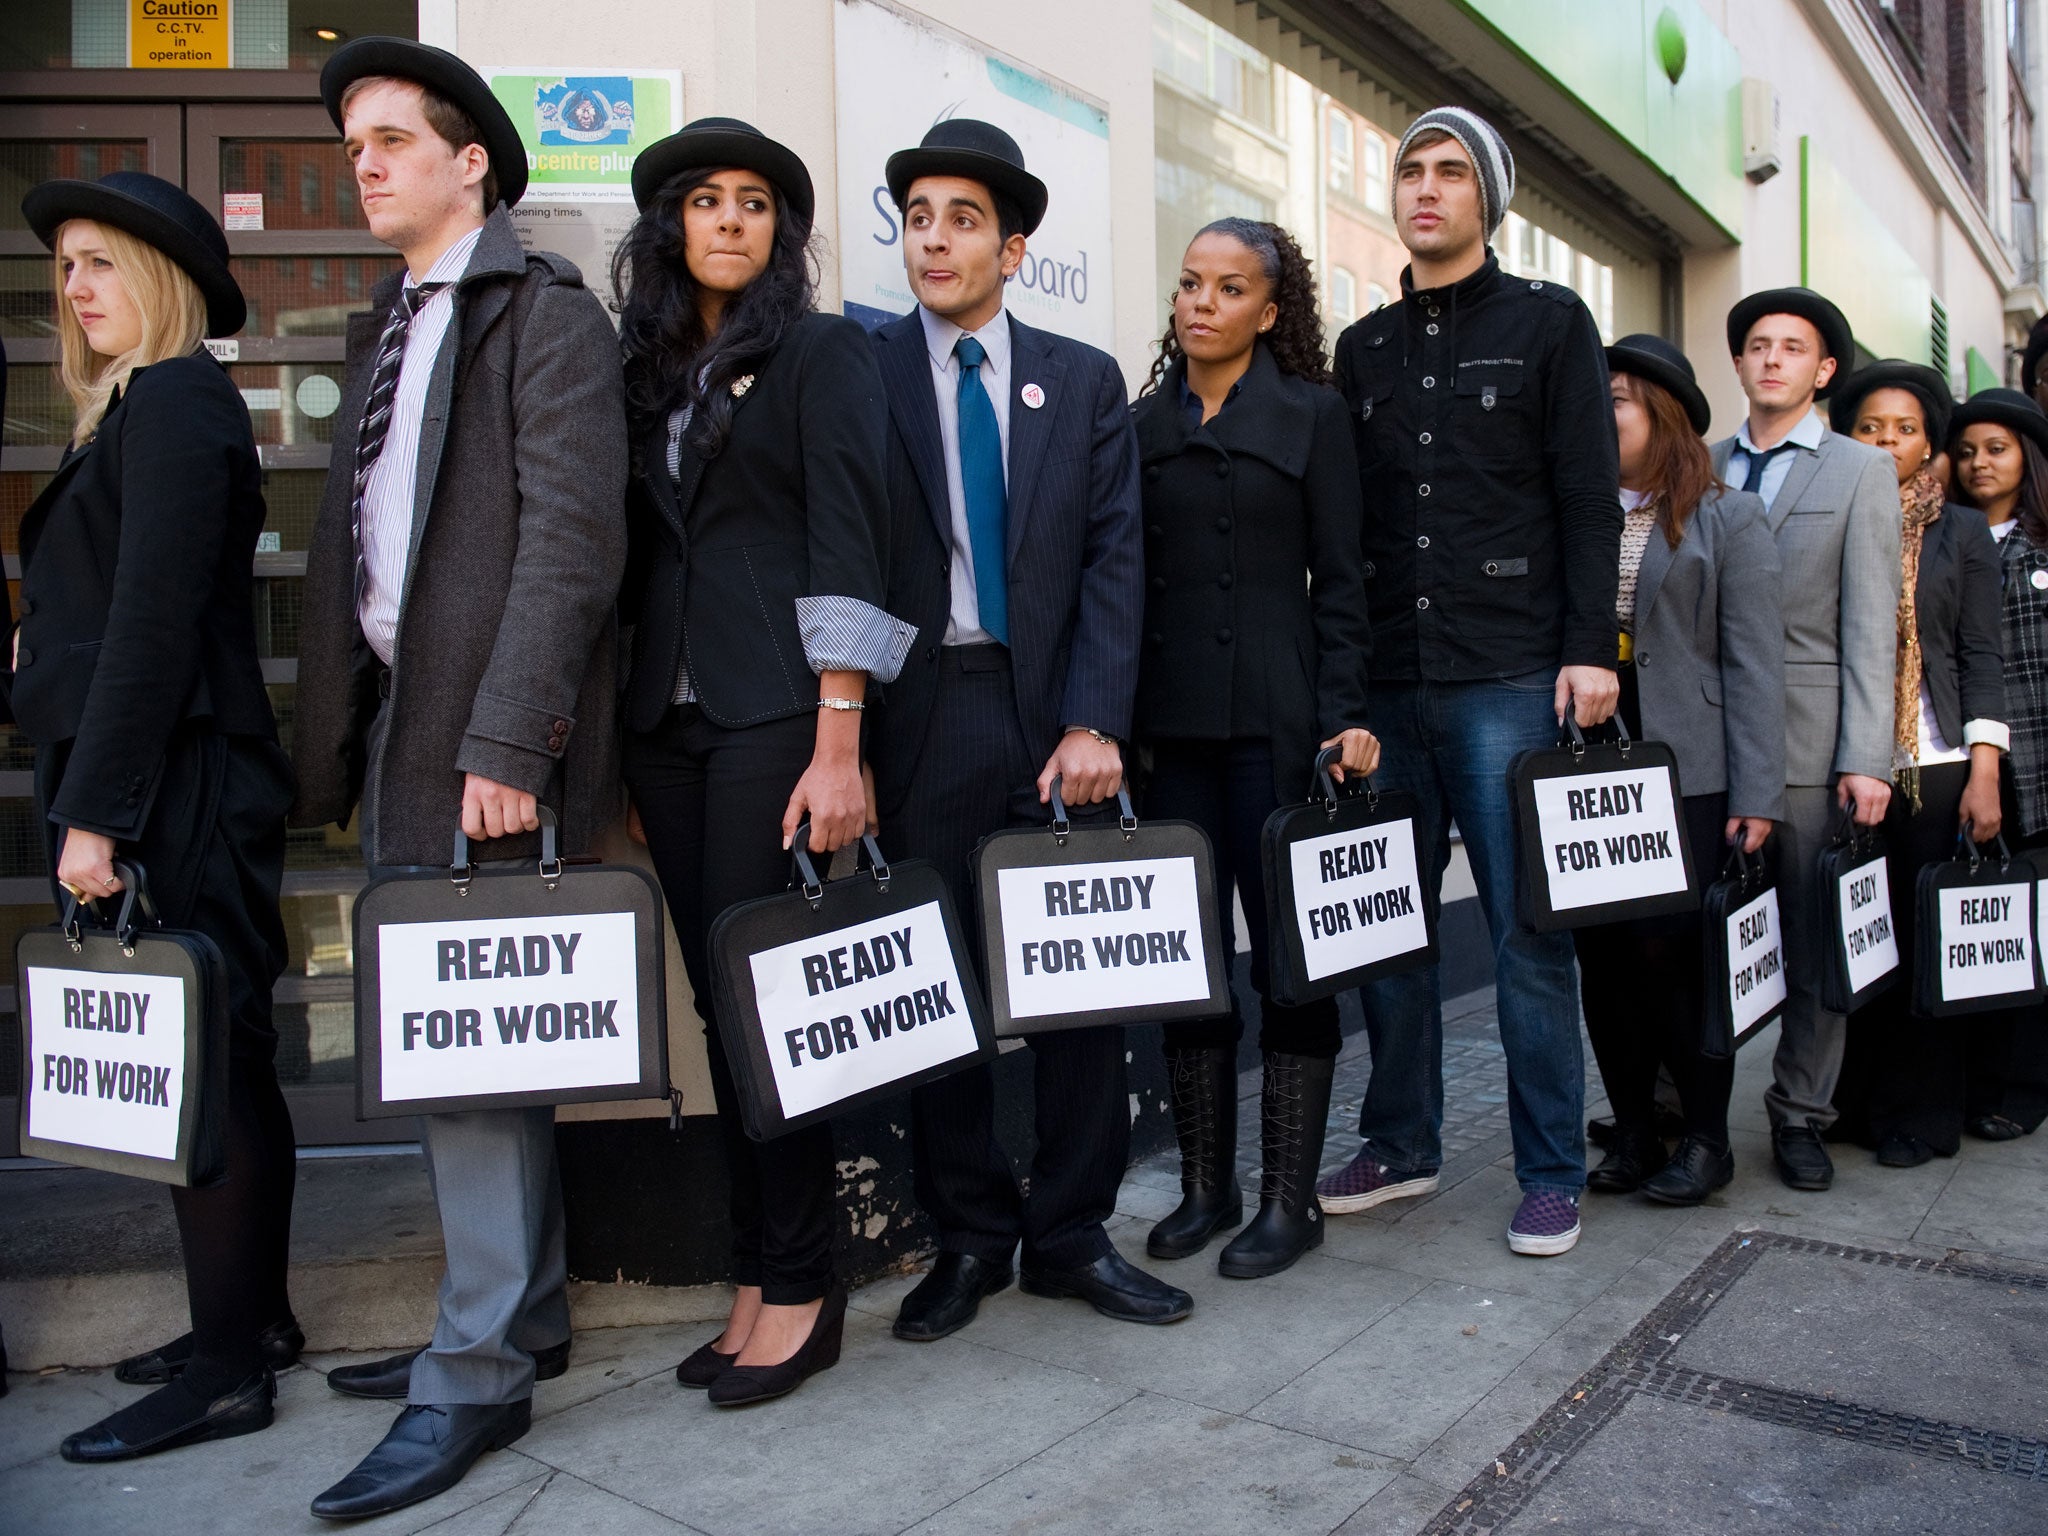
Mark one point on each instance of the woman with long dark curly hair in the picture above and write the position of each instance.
(1255, 655)
(754, 587)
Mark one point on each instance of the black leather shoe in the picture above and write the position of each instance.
(1294, 1111)
(280, 1344)
(1205, 1124)
(1899, 1150)
(1995, 1128)
(946, 1300)
(1630, 1160)
(738, 1386)
(425, 1452)
(1115, 1287)
(241, 1410)
(1803, 1163)
(703, 1365)
(391, 1377)
(1695, 1171)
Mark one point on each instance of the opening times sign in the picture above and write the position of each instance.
(181, 34)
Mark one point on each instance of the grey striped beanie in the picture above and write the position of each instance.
(1488, 151)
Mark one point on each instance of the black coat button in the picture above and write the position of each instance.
(24, 656)
(931, 653)
(1224, 636)
(1223, 525)
(1370, 568)
(1158, 638)
(1155, 530)
(1152, 472)
(1223, 470)
(1158, 583)
(1225, 581)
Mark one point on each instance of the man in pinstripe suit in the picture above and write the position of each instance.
(1014, 546)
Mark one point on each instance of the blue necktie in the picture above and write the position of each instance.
(1759, 461)
(981, 479)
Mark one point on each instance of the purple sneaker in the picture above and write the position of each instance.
(1365, 1182)
(1545, 1223)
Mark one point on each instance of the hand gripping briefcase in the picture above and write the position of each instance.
(1599, 832)
(1345, 901)
(837, 992)
(1856, 925)
(1106, 924)
(1744, 987)
(508, 988)
(124, 1042)
(1974, 948)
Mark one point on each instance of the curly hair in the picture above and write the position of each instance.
(1296, 340)
(670, 361)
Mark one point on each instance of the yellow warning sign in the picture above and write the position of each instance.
(180, 34)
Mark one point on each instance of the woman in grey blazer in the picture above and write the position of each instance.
(1902, 1085)
(1702, 668)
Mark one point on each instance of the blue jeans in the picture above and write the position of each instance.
(1450, 744)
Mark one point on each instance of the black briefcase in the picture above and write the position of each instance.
(1744, 985)
(1974, 946)
(124, 1042)
(1345, 898)
(1105, 924)
(838, 992)
(1599, 832)
(1856, 922)
(508, 988)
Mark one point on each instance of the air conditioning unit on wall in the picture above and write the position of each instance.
(1760, 160)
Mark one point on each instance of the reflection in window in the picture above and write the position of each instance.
(1201, 56)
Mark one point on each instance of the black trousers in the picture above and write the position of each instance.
(711, 801)
(2006, 1071)
(975, 775)
(1226, 789)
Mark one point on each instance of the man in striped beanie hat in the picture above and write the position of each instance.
(1483, 146)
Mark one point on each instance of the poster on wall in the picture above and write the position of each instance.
(582, 129)
(935, 73)
(180, 34)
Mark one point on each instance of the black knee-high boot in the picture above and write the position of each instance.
(1204, 1085)
(1294, 1111)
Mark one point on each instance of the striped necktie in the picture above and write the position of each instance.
(377, 411)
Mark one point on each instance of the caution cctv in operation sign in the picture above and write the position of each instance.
(180, 34)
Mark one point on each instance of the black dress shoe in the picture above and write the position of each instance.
(739, 1385)
(1898, 1150)
(280, 1344)
(1695, 1171)
(391, 1377)
(1995, 1128)
(1116, 1288)
(1803, 1163)
(946, 1300)
(242, 1410)
(425, 1452)
(1630, 1160)
(703, 1365)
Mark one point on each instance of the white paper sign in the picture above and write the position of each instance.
(508, 1005)
(1356, 898)
(1609, 837)
(1756, 964)
(241, 211)
(1085, 938)
(1986, 941)
(1867, 932)
(861, 1007)
(106, 1060)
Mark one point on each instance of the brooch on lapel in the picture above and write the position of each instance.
(741, 385)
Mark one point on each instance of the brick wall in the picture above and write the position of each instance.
(1938, 46)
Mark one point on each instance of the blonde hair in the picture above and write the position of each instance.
(173, 324)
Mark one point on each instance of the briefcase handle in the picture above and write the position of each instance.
(1844, 832)
(462, 871)
(1967, 848)
(807, 872)
(1324, 787)
(1578, 741)
(1061, 827)
(1747, 871)
(134, 897)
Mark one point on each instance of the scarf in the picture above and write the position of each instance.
(1919, 505)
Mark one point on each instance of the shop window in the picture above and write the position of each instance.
(1342, 160)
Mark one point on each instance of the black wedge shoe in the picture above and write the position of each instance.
(703, 1365)
(739, 1385)
(1205, 1124)
(280, 1343)
(1294, 1111)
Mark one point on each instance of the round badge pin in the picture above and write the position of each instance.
(2040, 580)
(1033, 396)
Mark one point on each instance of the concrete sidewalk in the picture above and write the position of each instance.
(1359, 1392)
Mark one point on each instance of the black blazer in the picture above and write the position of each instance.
(1956, 599)
(1255, 620)
(1076, 561)
(791, 507)
(137, 600)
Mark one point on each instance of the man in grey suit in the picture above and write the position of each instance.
(1834, 508)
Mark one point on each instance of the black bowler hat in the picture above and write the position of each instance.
(2007, 407)
(1835, 336)
(1654, 358)
(966, 146)
(722, 143)
(1915, 378)
(153, 211)
(400, 58)
(2037, 347)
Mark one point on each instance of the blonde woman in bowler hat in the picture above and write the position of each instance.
(136, 676)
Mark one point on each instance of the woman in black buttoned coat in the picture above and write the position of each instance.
(136, 676)
(1255, 656)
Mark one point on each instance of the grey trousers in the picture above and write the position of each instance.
(1810, 1038)
(499, 1192)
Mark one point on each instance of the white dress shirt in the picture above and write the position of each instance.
(1807, 435)
(388, 509)
(963, 626)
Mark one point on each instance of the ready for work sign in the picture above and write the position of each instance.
(106, 1060)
